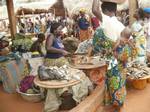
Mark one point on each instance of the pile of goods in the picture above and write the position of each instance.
(85, 60)
(137, 71)
(71, 44)
(21, 43)
(55, 73)
(29, 91)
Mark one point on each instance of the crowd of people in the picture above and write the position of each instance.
(109, 36)
(119, 44)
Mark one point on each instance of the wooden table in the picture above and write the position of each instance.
(54, 84)
(95, 72)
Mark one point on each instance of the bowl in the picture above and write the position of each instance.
(37, 97)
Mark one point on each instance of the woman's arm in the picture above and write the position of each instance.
(96, 9)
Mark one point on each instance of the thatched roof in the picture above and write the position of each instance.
(30, 11)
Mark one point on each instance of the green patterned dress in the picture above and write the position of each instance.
(115, 78)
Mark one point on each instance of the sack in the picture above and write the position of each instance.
(83, 24)
(67, 101)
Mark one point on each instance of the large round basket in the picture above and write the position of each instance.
(30, 97)
(148, 80)
(139, 84)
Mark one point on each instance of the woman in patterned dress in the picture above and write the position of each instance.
(111, 40)
(115, 91)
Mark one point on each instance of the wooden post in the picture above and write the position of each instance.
(11, 16)
(132, 7)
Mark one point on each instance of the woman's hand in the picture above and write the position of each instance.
(65, 53)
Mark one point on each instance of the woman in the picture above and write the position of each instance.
(104, 40)
(54, 57)
(139, 36)
(147, 15)
(84, 26)
(54, 47)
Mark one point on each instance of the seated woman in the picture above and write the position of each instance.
(37, 45)
(54, 47)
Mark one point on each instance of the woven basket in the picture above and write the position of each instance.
(148, 80)
(139, 84)
(114, 1)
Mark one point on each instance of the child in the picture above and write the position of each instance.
(37, 45)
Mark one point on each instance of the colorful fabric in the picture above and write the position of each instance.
(12, 72)
(26, 83)
(83, 23)
(147, 10)
(84, 46)
(102, 43)
(85, 34)
(116, 79)
(140, 40)
(115, 91)
(95, 22)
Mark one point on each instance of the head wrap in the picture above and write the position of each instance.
(147, 10)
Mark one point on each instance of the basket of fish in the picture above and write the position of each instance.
(139, 74)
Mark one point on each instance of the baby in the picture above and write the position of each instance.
(125, 39)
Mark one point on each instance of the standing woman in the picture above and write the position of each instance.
(54, 47)
(112, 34)
(84, 26)
(139, 37)
(147, 15)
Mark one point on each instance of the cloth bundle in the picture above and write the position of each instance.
(12, 72)
(46, 73)
(55, 73)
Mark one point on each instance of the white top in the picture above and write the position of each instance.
(148, 36)
(112, 27)
(136, 26)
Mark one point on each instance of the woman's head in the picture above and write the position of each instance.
(56, 28)
(147, 12)
(139, 14)
(41, 37)
(108, 8)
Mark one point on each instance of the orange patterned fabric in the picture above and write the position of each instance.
(85, 34)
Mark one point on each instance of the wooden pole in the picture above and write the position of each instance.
(11, 16)
(132, 7)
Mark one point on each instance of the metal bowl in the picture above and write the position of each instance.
(30, 97)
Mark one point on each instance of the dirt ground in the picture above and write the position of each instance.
(137, 101)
